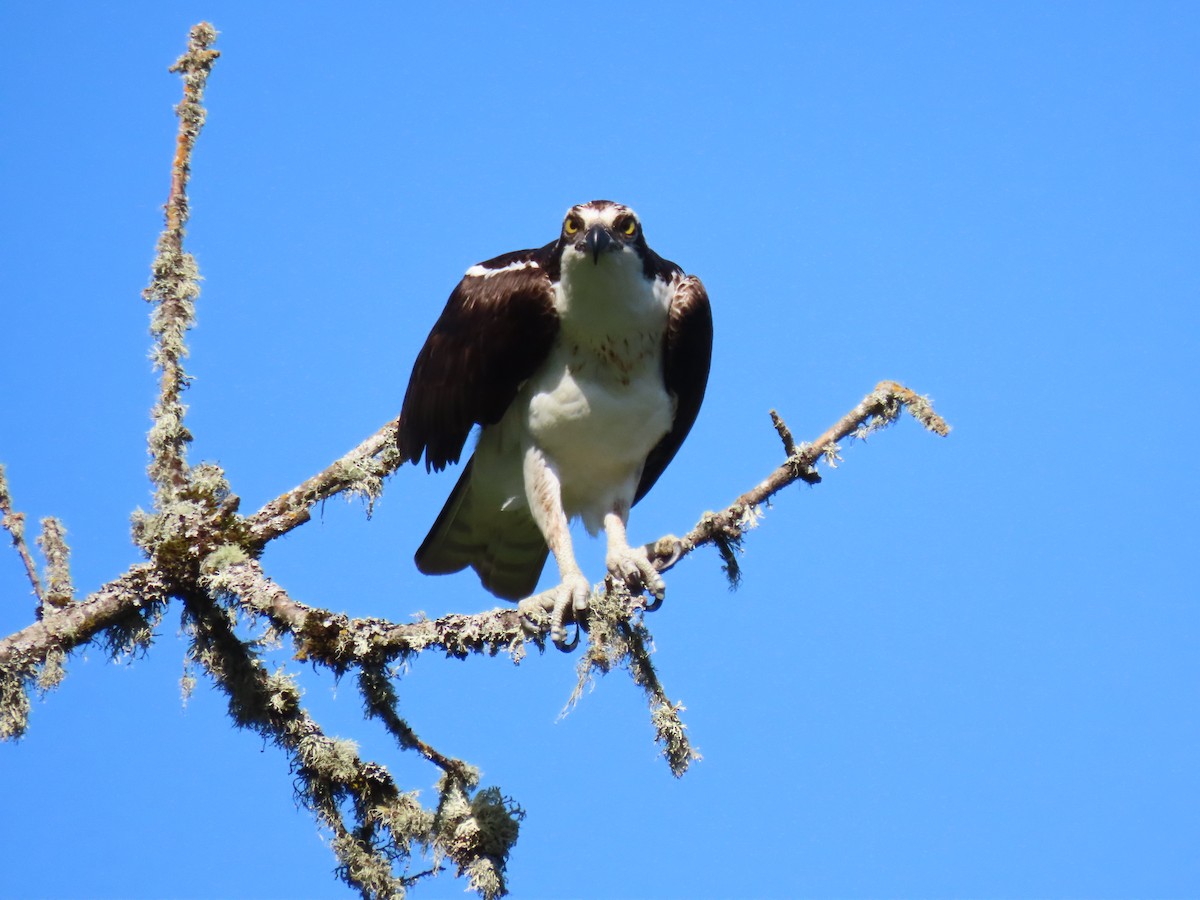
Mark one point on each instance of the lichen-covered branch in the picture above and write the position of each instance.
(175, 278)
(340, 641)
(381, 701)
(329, 771)
(475, 832)
(14, 523)
(617, 638)
(53, 544)
(617, 635)
(320, 637)
(878, 409)
(360, 471)
(119, 615)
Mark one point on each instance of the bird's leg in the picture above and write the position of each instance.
(630, 564)
(569, 600)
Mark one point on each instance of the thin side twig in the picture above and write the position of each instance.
(53, 544)
(785, 433)
(382, 703)
(877, 410)
(14, 523)
(358, 470)
(618, 638)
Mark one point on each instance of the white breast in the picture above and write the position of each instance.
(599, 406)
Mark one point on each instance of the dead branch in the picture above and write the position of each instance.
(14, 523)
(122, 607)
(878, 409)
(175, 283)
(362, 471)
(341, 642)
(53, 544)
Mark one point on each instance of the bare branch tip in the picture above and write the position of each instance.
(785, 434)
(14, 523)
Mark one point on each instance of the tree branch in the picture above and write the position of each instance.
(122, 606)
(14, 523)
(175, 283)
(329, 771)
(877, 410)
(357, 472)
(618, 637)
(341, 642)
(53, 544)
(476, 832)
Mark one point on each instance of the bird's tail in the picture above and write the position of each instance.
(505, 547)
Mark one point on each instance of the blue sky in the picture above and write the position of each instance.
(957, 667)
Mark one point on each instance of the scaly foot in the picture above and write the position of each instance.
(566, 603)
(632, 566)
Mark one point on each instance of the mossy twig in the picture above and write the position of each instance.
(175, 282)
(14, 523)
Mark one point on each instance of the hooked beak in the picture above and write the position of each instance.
(597, 240)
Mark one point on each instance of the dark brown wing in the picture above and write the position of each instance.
(497, 328)
(687, 352)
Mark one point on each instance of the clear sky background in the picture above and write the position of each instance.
(959, 667)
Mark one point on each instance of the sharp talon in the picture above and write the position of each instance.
(563, 645)
(633, 567)
(529, 626)
(666, 560)
(566, 604)
(533, 612)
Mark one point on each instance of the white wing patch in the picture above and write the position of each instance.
(478, 271)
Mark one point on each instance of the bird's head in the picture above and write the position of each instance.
(599, 227)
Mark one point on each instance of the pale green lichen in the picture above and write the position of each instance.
(53, 543)
(187, 682)
(133, 632)
(14, 703)
(478, 834)
(224, 556)
(52, 672)
(669, 732)
(617, 638)
(403, 816)
(332, 758)
(366, 869)
(196, 522)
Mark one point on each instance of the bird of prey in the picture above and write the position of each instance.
(585, 362)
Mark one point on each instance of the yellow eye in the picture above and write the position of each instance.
(628, 227)
(571, 226)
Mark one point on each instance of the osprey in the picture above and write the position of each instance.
(585, 363)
